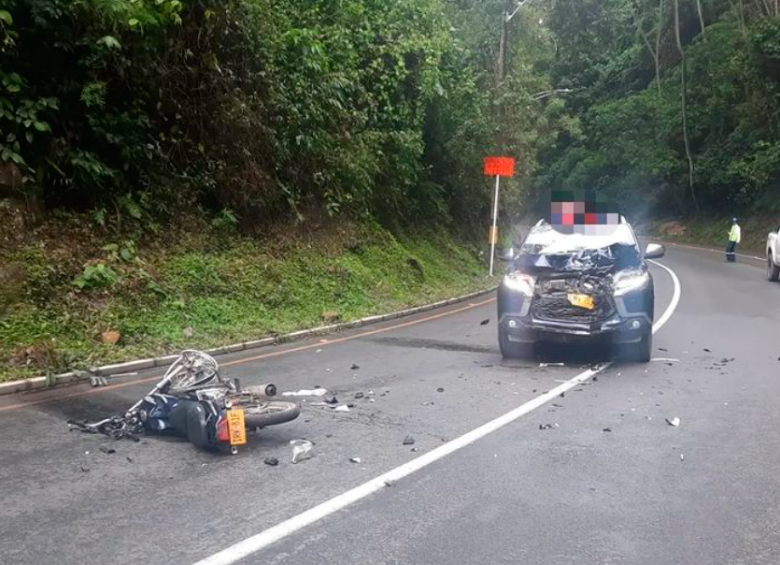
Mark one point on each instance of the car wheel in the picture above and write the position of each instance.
(772, 270)
(642, 351)
(512, 350)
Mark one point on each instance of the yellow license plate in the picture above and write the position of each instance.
(582, 301)
(236, 427)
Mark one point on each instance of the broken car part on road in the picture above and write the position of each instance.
(194, 401)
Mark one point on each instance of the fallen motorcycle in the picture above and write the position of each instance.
(195, 401)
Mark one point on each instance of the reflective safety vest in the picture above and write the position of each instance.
(735, 234)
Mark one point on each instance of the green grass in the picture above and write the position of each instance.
(221, 289)
(713, 231)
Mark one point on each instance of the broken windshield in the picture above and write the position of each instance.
(546, 248)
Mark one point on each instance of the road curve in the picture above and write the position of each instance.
(571, 494)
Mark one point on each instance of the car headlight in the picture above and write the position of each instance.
(518, 282)
(626, 281)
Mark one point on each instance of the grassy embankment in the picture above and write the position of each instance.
(712, 231)
(64, 284)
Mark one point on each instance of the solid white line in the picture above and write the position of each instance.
(675, 297)
(273, 534)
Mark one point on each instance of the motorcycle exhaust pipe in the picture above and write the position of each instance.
(268, 390)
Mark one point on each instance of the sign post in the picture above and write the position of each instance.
(498, 167)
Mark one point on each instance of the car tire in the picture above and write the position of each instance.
(772, 270)
(642, 351)
(510, 349)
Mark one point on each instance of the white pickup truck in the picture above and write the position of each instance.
(773, 256)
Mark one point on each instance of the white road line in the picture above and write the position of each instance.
(721, 252)
(675, 298)
(273, 534)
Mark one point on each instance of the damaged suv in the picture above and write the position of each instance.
(578, 288)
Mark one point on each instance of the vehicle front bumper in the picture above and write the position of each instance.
(616, 330)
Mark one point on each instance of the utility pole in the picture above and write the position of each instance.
(502, 166)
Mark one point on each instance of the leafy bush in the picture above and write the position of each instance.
(95, 277)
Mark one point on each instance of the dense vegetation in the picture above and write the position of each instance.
(258, 110)
(677, 102)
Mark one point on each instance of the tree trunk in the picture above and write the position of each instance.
(701, 20)
(658, 34)
(740, 16)
(684, 103)
(655, 52)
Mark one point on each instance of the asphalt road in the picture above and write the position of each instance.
(706, 492)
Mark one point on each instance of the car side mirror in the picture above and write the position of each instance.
(654, 251)
(506, 255)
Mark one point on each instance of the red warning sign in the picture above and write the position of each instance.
(499, 166)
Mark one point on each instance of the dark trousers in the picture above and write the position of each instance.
(731, 256)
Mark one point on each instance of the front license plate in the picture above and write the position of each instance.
(582, 301)
(236, 427)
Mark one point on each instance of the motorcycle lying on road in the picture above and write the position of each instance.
(195, 401)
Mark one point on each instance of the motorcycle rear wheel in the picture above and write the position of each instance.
(269, 413)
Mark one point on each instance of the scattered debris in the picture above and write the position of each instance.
(428, 403)
(595, 378)
(662, 349)
(187, 332)
(354, 459)
(98, 381)
(408, 440)
(331, 400)
(682, 457)
(389, 483)
(707, 350)
(673, 422)
(342, 408)
(301, 449)
(358, 395)
(665, 359)
(543, 365)
(116, 427)
(354, 367)
(129, 459)
(415, 449)
(440, 389)
(562, 395)
(557, 405)
(372, 400)
(306, 392)
(607, 430)
(484, 322)
(545, 426)
(272, 461)
(107, 450)
(84, 469)
(351, 405)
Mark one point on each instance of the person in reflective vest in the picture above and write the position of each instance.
(735, 236)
